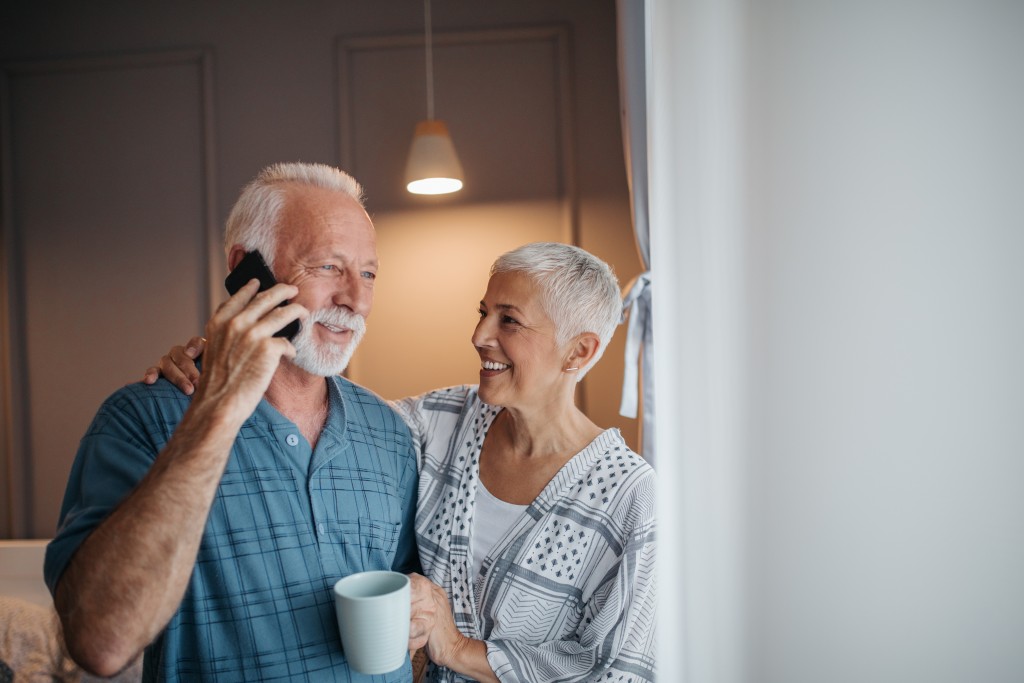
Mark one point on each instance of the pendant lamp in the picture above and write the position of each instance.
(432, 167)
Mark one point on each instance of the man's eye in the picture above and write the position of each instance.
(328, 267)
(482, 312)
(369, 275)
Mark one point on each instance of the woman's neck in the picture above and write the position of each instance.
(544, 433)
(523, 452)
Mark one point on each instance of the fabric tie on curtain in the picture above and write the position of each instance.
(637, 306)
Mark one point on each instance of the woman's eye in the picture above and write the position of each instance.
(508, 320)
(482, 312)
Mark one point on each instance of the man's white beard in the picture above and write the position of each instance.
(325, 358)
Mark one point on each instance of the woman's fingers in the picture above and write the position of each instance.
(179, 370)
(178, 366)
(423, 609)
(194, 347)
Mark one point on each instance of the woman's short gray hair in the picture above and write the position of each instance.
(253, 222)
(579, 291)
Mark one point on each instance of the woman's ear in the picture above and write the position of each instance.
(583, 350)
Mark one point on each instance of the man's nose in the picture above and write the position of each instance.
(355, 293)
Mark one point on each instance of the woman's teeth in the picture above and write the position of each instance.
(491, 365)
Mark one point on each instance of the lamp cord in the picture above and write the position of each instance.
(430, 60)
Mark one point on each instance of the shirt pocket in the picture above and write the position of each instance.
(367, 544)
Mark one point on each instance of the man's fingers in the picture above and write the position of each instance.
(278, 318)
(238, 300)
(254, 302)
(247, 309)
(265, 301)
(242, 354)
(283, 347)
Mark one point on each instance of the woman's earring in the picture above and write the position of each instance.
(570, 370)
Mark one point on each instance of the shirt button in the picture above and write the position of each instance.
(291, 440)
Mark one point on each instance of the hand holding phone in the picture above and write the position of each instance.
(253, 266)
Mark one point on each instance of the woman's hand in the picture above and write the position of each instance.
(178, 366)
(425, 609)
(431, 621)
(433, 625)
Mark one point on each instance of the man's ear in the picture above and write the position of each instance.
(583, 350)
(235, 256)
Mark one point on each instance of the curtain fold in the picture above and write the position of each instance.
(638, 376)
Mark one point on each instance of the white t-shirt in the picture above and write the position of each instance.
(492, 518)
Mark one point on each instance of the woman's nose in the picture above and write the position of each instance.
(482, 336)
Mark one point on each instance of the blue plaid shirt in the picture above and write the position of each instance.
(287, 522)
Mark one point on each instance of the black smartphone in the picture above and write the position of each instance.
(252, 266)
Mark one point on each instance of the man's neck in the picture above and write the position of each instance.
(297, 394)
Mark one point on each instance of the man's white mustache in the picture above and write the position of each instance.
(338, 317)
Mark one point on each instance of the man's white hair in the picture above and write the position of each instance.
(255, 217)
(579, 291)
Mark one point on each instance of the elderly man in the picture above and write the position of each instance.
(210, 529)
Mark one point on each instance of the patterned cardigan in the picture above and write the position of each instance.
(568, 593)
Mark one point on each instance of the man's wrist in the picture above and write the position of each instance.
(220, 409)
(210, 423)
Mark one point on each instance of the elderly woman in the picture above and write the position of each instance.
(535, 526)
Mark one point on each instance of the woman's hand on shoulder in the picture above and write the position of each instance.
(178, 366)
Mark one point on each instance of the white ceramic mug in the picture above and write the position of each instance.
(373, 616)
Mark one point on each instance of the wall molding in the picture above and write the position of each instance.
(558, 35)
(15, 440)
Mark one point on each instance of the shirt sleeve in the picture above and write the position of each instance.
(427, 415)
(616, 635)
(113, 457)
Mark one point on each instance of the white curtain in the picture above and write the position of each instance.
(636, 304)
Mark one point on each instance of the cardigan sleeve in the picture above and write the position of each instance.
(411, 411)
(616, 635)
(424, 412)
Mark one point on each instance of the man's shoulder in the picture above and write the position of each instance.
(143, 402)
(368, 408)
(350, 388)
(357, 394)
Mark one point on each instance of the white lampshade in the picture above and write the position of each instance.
(432, 167)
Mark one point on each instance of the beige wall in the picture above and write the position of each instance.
(129, 128)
